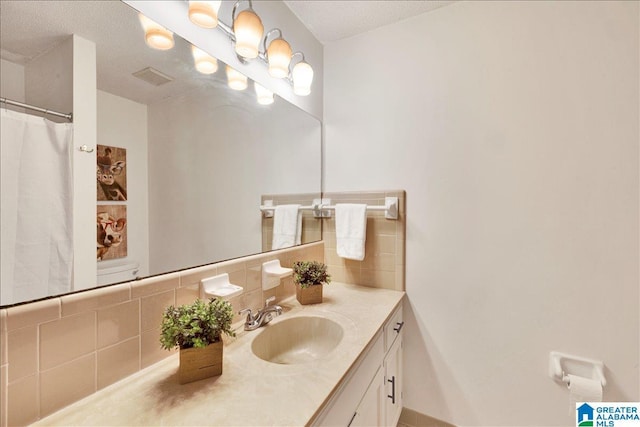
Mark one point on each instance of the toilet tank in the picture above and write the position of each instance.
(117, 271)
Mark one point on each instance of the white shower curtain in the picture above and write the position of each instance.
(37, 206)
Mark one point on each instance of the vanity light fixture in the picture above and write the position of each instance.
(235, 79)
(204, 62)
(265, 96)
(278, 55)
(204, 13)
(246, 34)
(155, 34)
(302, 76)
(248, 30)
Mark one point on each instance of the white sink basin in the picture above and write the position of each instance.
(297, 340)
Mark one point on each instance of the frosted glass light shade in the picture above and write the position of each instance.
(248, 30)
(279, 56)
(205, 63)
(155, 35)
(302, 75)
(265, 96)
(204, 13)
(235, 79)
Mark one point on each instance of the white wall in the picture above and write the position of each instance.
(84, 164)
(230, 150)
(49, 80)
(11, 81)
(123, 123)
(514, 128)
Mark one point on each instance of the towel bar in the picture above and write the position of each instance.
(390, 207)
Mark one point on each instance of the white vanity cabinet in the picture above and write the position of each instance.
(393, 383)
(393, 368)
(371, 393)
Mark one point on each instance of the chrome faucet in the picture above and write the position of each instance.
(262, 317)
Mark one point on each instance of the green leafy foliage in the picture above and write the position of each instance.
(310, 273)
(196, 325)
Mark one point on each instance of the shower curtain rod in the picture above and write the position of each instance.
(68, 116)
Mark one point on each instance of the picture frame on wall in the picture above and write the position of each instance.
(111, 222)
(111, 173)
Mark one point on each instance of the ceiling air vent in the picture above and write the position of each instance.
(153, 76)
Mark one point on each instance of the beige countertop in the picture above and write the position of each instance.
(250, 391)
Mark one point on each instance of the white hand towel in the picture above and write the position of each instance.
(351, 230)
(287, 226)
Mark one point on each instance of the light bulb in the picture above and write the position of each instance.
(155, 34)
(235, 79)
(265, 96)
(248, 30)
(204, 62)
(204, 13)
(302, 75)
(279, 56)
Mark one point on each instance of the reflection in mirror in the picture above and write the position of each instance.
(183, 161)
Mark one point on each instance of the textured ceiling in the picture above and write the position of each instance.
(335, 20)
(28, 29)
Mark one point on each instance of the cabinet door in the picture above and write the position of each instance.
(370, 410)
(393, 383)
(340, 409)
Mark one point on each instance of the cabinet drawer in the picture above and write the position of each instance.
(393, 327)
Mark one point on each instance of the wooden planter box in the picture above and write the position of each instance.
(310, 295)
(199, 363)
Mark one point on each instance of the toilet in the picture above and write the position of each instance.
(117, 271)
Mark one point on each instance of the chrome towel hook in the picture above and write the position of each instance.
(85, 149)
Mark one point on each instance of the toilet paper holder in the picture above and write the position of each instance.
(562, 364)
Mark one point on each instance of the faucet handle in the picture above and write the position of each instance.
(269, 301)
(248, 311)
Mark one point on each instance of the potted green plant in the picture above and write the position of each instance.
(196, 329)
(309, 276)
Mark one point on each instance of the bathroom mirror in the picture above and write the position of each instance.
(198, 156)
